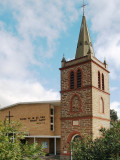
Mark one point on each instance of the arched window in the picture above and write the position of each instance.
(98, 79)
(102, 81)
(72, 80)
(76, 104)
(101, 105)
(78, 79)
(76, 138)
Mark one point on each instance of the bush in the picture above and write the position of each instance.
(12, 148)
(105, 148)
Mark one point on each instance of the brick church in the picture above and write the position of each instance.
(83, 109)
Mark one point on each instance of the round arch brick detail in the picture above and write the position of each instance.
(71, 135)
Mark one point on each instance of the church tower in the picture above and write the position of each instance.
(85, 98)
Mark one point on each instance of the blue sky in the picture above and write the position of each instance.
(35, 34)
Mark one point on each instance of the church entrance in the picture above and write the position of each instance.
(51, 143)
(54, 146)
(74, 139)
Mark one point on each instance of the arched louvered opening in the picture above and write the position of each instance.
(79, 79)
(98, 79)
(103, 82)
(72, 80)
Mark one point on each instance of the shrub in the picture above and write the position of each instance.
(11, 147)
(107, 147)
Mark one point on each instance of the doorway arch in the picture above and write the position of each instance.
(72, 135)
(74, 138)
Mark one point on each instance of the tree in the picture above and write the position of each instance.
(107, 147)
(11, 147)
(113, 115)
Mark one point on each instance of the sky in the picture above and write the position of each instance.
(35, 34)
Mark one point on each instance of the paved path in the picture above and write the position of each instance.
(50, 158)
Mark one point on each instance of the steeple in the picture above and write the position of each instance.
(84, 46)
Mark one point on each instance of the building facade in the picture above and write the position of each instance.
(40, 121)
(84, 107)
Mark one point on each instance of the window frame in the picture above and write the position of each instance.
(52, 117)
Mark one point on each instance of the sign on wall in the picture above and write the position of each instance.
(36, 119)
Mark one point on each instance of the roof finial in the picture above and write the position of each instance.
(83, 6)
(63, 59)
(105, 63)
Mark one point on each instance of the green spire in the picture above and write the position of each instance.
(84, 46)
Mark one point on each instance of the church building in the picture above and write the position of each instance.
(84, 107)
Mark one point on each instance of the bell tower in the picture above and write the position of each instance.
(85, 104)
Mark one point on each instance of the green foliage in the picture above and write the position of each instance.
(32, 151)
(105, 148)
(13, 149)
(113, 115)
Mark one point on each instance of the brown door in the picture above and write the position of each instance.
(51, 145)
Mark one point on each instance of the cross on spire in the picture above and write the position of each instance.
(9, 116)
(83, 6)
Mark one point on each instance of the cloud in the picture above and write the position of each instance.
(108, 46)
(45, 19)
(29, 31)
(105, 14)
(105, 22)
(116, 106)
(15, 56)
(105, 25)
(17, 91)
(33, 32)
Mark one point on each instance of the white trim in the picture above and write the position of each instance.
(42, 136)
(55, 103)
(55, 146)
(34, 140)
(74, 136)
(52, 115)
